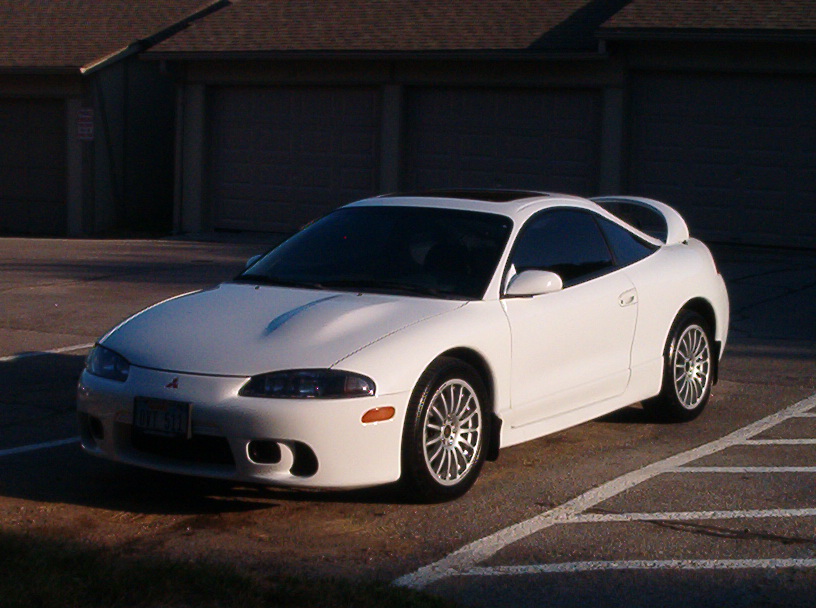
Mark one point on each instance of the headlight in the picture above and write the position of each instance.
(105, 363)
(308, 384)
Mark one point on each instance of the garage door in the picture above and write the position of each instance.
(737, 154)
(281, 157)
(32, 167)
(509, 138)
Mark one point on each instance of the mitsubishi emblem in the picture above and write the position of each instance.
(173, 383)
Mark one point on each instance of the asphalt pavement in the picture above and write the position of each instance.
(730, 522)
(616, 512)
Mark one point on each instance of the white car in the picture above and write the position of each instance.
(409, 337)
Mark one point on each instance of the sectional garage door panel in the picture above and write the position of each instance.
(503, 138)
(736, 154)
(281, 157)
(32, 166)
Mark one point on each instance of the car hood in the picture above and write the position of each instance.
(243, 330)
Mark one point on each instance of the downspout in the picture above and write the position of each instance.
(178, 186)
(116, 187)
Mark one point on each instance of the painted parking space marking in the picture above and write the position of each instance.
(781, 442)
(52, 351)
(465, 560)
(744, 470)
(667, 564)
(38, 446)
(594, 518)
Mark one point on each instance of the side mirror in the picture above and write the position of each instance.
(252, 260)
(534, 283)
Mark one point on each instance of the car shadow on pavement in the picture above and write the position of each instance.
(38, 406)
(66, 475)
(634, 414)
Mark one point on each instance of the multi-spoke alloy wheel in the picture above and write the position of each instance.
(688, 371)
(446, 428)
(452, 431)
(692, 366)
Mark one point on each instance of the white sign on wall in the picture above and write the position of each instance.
(85, 124)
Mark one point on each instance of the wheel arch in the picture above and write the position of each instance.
(705, 309)
(482, 367)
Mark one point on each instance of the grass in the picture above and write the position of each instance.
(55, 573)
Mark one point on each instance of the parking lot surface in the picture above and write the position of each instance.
(620, 511)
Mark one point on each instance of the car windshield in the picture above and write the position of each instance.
(422, 251)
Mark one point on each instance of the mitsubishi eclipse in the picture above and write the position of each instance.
(410, 337)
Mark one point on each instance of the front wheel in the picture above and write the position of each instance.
(445, 431)
(687, 373)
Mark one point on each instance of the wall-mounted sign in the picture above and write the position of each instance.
(85, 124)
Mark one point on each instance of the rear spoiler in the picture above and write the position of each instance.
(675, 231)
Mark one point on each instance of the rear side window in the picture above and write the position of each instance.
(627, 248)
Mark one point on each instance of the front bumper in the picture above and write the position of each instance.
(307, 443)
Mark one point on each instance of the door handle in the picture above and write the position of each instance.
(628, 298)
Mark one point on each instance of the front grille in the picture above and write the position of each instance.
(202, 449)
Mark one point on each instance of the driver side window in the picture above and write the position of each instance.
(567, 242)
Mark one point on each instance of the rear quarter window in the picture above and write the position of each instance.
(626, 247)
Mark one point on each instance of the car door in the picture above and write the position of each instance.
(570, 348)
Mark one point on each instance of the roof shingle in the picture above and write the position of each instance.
(269, 26)
(72, 34)
(751, 15)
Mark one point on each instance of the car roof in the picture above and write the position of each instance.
(516, 204)
(519, 205)
(471, 194)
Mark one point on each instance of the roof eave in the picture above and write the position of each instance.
(464, 55)
(712, 35)
(141, 45)
(41, 70)
(112, 58)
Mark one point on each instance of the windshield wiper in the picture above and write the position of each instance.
(374, 285)
(262, 279)
(385, 286)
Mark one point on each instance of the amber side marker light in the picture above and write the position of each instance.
(378, 414)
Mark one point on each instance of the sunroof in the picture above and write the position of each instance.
(493, 196)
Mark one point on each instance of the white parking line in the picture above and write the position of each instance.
(744, 470)
(781, 442)
(465, 559)
(39, 446)
(669, 564)
(594, 518)
(53, 351)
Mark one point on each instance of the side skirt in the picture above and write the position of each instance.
(645, 383)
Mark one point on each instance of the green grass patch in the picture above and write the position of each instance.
(55, 573)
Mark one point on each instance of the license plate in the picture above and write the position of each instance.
(162, 417)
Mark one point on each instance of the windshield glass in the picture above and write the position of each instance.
(409, 250)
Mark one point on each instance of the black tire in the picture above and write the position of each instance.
(688, 371)
(446, 431)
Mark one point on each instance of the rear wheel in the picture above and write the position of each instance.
(687, 372)
(445, 431)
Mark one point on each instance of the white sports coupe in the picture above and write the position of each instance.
(409, 337)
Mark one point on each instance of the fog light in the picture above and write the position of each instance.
(262, 451)
(305, 464)
(378, 414)
(97, 431)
